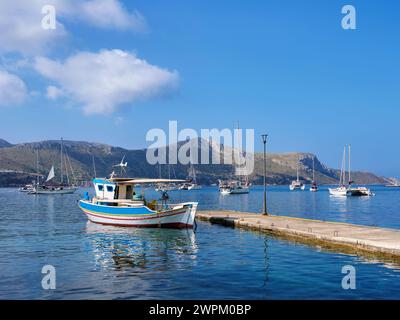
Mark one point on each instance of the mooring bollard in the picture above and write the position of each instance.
(336, 233)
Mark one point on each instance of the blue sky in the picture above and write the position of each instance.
(282, 67)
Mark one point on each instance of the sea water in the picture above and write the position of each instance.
(213, 262)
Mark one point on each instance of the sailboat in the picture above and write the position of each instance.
(236, 186)
(341, 190)
(347, 189)
(393, 183)
(61, 188)
(314, 186)
(296, 184)
(192, 185)
(161, 187)
(357, 191)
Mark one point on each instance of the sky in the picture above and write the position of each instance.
(112, 70)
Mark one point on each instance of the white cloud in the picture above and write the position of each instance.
(12, 89)
(21, 27)
(106, 80)
(111, 14)
(21, 21)
(53, 93)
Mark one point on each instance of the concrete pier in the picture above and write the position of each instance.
(336, 236)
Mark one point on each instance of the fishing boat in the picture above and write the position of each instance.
(314, 185)
(297, 184)
(53, 188)
(117, 203)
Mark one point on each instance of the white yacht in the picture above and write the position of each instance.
(314, 185)
(234, 187)
(192, 184)
(341, 190)
(239, 186)
(348, 189)
(297, 184)
(55, 188)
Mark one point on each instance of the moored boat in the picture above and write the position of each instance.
(297, 184)
(241, 185)
(54, 189)
(341, 190)
(393, 183)
(234, 187)
(314, 185)
(359, 192)
(192, 184)
(117, 203)
(57, 188)
(27, 188)
(349, 190)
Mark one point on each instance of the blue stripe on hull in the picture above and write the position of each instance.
(115, 210)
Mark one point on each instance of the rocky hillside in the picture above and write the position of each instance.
(4, 143)
(18, 164)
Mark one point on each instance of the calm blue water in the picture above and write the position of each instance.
(97, 262)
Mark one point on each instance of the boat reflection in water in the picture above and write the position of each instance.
(137, 249)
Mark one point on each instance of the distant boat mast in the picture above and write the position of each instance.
(61, 165)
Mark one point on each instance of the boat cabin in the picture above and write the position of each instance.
(116, 191)
(122, 189)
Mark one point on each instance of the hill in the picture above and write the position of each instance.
(18, 164)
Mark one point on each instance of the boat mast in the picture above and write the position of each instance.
(37, 166)
(349, 164)
(61, 165)
(237, 160)
(298, 161)
(341, 181)
(344, 166)
(313, 169)
(94, 167)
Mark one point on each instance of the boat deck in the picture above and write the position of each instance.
(343, 237)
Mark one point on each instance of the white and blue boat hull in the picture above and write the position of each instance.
(175, 216)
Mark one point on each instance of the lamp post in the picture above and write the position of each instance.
(264, 139)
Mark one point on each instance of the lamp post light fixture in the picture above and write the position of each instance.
(264, 139)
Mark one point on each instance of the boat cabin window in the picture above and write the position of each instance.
(100, 187)
(129, 192)
(110, 189)
(124, 192)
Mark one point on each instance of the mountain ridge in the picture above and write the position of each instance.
(18, 164)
